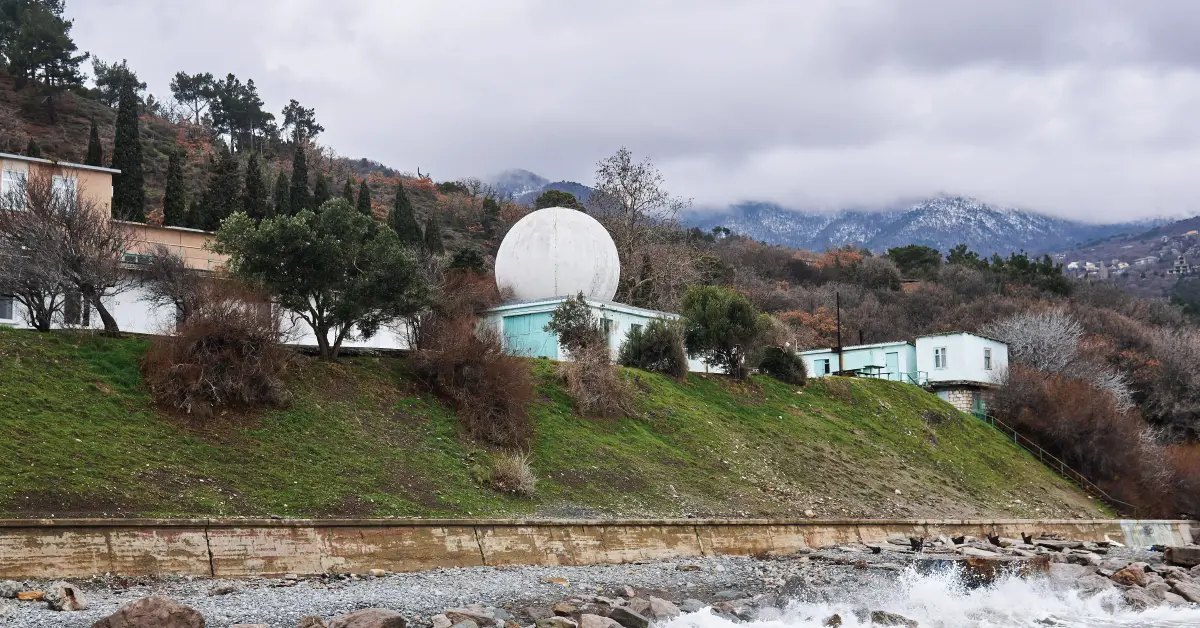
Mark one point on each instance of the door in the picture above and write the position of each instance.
(892, 362)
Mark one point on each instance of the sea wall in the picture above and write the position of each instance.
(231, 548)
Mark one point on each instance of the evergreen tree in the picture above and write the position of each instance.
(364, 199)
(194, 215)
(433, 237)
(320, 190)
(33, 149)
(129, 192)
(491, 217)
(95, 152)
(401, 219)
(222, 197)
(254, 193)
(175, 196)
(283, 204)
(299, 198)
(348, 190)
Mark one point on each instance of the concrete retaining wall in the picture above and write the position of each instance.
(248, 547)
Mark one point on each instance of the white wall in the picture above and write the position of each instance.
(964, 358)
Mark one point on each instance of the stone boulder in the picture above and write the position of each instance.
(1138, 599)
(62, 596)
(557, 622)
(153, 612)
(1188, 591)
(459, 615)
(312, 621)
(369, 618)
(662, 609)
(9, 589)
(884, 618)
(628, 618)
(1186, 556)
(1131, 576)
(588, 620)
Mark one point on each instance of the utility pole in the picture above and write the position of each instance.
(837, 300)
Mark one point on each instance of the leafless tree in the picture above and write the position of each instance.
(29, 262)
(166, 281)
(76, 241)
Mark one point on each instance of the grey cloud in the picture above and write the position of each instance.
(1084, 109)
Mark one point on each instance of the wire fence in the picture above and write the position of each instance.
(1058, 466)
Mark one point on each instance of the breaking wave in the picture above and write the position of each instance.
(940, 600)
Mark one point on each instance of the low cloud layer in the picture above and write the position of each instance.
(1082, 109)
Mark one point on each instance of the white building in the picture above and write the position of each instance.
(961, 365)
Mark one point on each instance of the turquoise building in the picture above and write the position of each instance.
(522, 326)
(896, 361)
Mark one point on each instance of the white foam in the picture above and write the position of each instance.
(941, 601)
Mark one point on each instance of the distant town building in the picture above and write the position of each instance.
(1181, 267)
(1146, 261)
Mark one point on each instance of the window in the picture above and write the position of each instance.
(606, 325)
(987, 359)
(939, 358)
(822, 367)
(10, 182)
(136, 259)
(6, 307)
(64, 187)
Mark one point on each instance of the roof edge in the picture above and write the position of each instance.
(53, 162)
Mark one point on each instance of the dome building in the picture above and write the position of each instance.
(548, 256)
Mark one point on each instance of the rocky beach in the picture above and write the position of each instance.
(976, 582)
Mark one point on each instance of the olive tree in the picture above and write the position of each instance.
(334, 268)
(721, 326)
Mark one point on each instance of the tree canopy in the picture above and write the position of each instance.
(557, 198)
(721, 325)
(333, 268)
(916, 261)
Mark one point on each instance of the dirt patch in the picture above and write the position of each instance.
(68, 504)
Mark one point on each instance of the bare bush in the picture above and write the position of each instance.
(513, 473)
(228, 354)
(489, 389)
(595, 383)
(166, 281)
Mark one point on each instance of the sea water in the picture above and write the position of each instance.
(940, 600)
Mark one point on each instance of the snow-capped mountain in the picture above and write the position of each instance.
(940, 222)
(518, 182)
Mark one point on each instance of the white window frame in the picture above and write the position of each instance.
(11, 304)
(987, 358)
(939, 358)
(9, 177)
(63, 186)
(823, 366)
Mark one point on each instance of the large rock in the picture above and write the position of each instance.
(1188, 591)
(691, 605)
(1138, 599)
(662, 609)
(312, 621)
(557, 622)
(626, 617)
(1131, 576)
(153, 612)
(9, 589)
(1188, 556)
(369, 618)
(459, 615)
(1057, 545)
(884, 618)
(587, 620)
(62, 596)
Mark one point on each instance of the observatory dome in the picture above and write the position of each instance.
(557, 252)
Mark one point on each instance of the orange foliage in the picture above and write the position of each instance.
(816, 329)
(838, 258)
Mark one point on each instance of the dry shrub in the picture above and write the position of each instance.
(512, 473)
(227, 354)
(489, 389)
(595, 383)
(1088, 430)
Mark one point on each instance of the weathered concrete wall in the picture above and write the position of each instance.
(246, 547)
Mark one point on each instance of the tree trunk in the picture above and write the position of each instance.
(110, 324)
(323, 349)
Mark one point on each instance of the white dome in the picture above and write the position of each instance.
(558, 252)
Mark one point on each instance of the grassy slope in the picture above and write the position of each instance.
(79, 436)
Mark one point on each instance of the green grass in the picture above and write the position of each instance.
(79, 436)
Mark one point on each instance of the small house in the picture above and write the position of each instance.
(894, 361)
(960, 366)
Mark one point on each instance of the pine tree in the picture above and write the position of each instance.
(320, 190)
(348, 190)
(175, 196)
(299, 198)
(33, 149)
(402, 219)
(433, 237)
(283, 205)
(364, 199)
(254, 193)
(222, 197)
(129, 191)
(95, 152)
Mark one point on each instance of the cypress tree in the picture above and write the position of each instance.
(401, 219)
(491, 216)
(33, 149)
(95, 152)
(254, 193)
(320, 190)
(299, 198)
(364, 199)
(175, 196)
(192, 221)
(129, 192)
(348, 190)
(283, 205)
(433, 237)
(222, 197)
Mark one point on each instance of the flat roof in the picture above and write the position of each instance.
(962, 333)
(894, 343)
(64, 164)
(171, 227)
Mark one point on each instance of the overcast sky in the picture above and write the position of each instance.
(1087, 109)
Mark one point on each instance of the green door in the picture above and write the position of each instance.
(892, 360)
(526, 335)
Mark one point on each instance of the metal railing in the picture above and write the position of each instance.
(918, 378)
(1056, 464)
